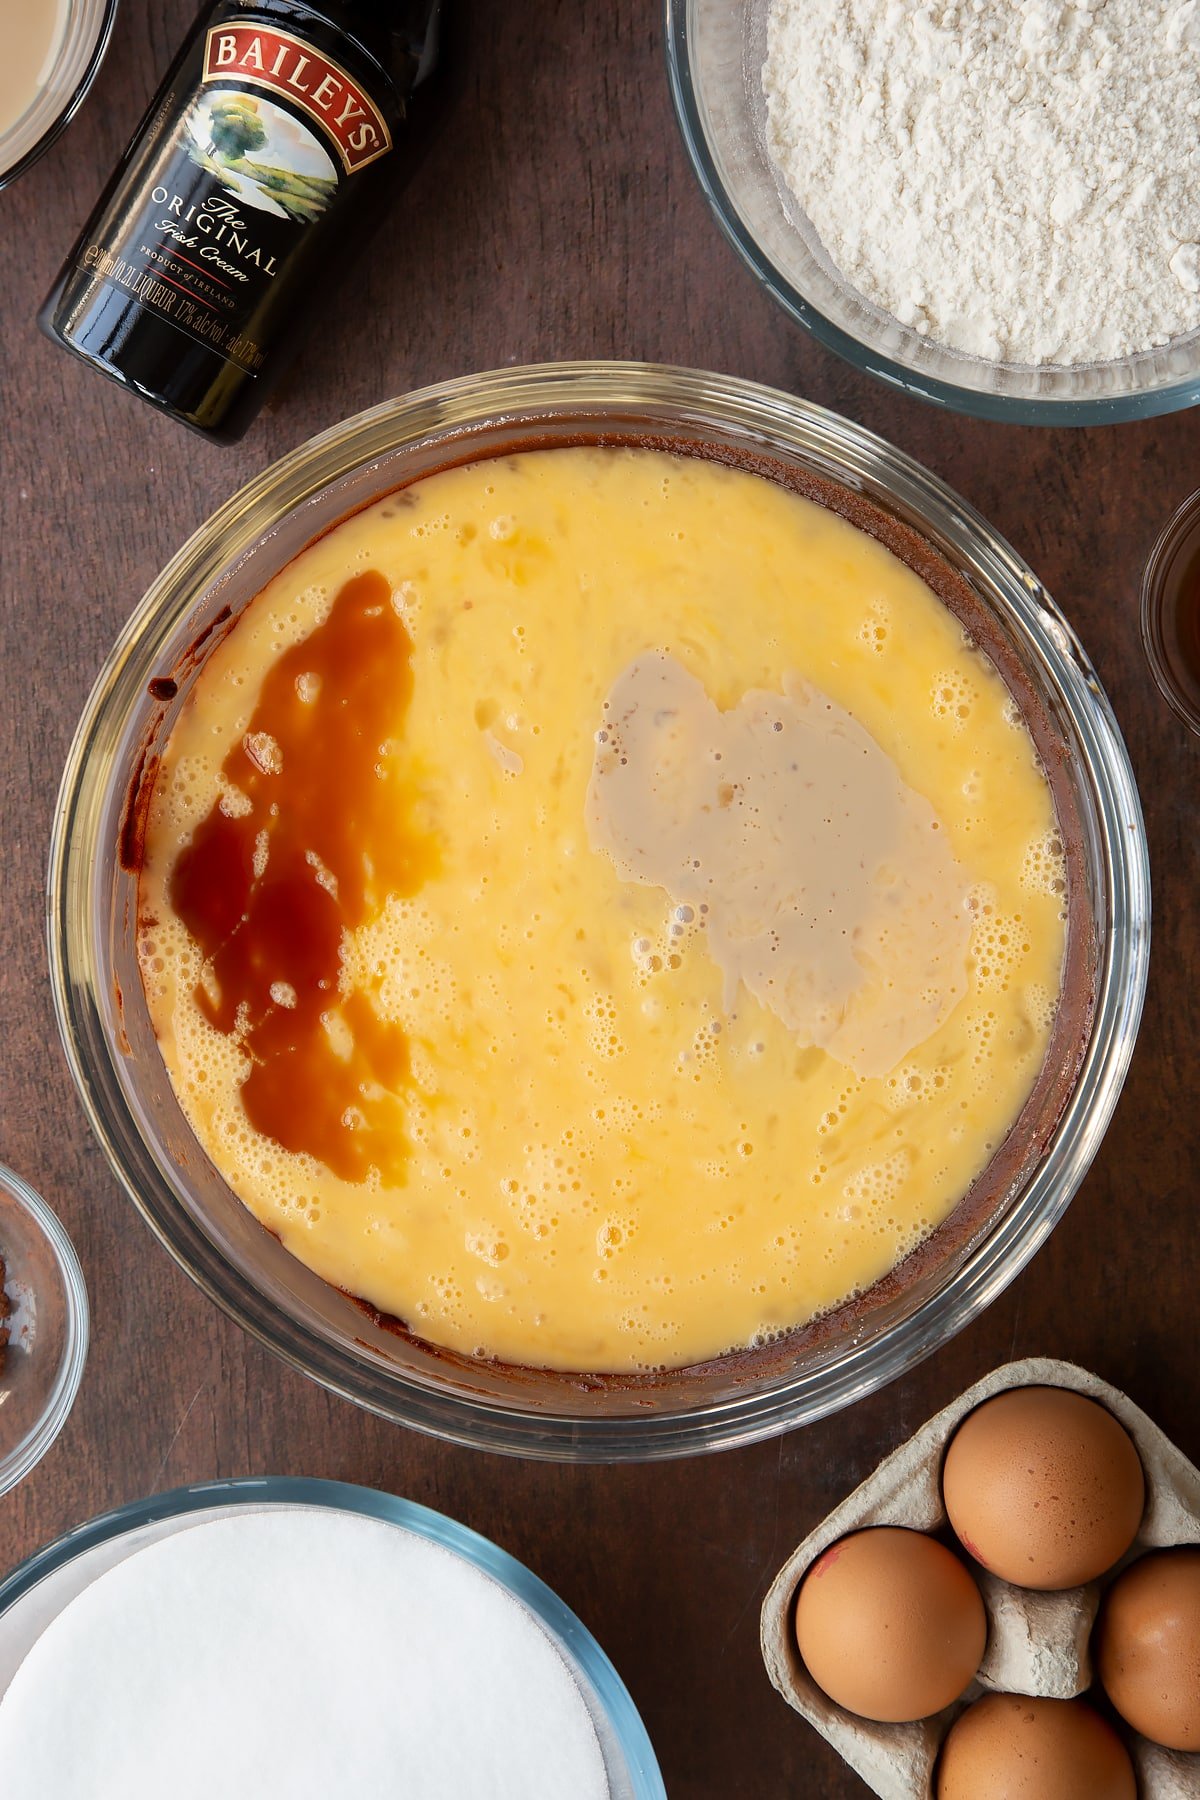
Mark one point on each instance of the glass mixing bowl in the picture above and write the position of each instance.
(715, 54)
(121, 1078)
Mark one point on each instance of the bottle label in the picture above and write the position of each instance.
(242, 163)
(257, 56)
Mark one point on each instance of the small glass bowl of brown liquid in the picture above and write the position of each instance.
(44, 1328)
(1171, 612)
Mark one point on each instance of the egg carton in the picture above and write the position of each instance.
(1037, 1642)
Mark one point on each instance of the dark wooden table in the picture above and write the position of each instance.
(556, 217)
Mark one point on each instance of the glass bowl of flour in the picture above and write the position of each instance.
(993, 207)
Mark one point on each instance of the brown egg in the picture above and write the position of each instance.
(1009, 1747)
(1043, 1487)
(1148, 1647)
(890, 1624)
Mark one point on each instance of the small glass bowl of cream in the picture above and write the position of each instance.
(52, 51)
(46, 1324)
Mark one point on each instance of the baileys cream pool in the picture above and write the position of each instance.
(600, 909)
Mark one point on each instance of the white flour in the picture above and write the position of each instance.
(1019, 179)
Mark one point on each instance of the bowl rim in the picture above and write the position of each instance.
(25, 1455)
(1181, 530)
(954, 396)
(257, 1491)
(58, 124)
(514, 398)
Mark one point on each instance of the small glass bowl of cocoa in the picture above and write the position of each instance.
(1171, 611)
(43, 1328)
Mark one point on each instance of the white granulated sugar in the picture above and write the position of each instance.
(295, 1654)
(1017, 179)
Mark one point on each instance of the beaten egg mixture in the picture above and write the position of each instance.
(599, 908)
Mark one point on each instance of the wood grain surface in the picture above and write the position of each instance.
(555, 217)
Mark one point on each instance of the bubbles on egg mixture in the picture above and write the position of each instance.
(981, 1028)
(432, 525)
(295, 617)
(667, 951)
(953, 697)
(698, 1056)
(1000, 941)
(615, 1234)
(1044, 869)
(392, 958)
(489, 1246)
(233, 802)
(548, 1186)
(874, 630)
(190, 795)
(603, 1038)
(406, 604)
(912, 1085)
(1041, 1003)
(444, 1301)
(314, 605)
(875, 1188)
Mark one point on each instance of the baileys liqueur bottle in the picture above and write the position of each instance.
(273, 136)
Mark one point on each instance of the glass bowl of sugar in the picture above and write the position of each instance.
(52, 53)
(442, 1658)
(981, 220)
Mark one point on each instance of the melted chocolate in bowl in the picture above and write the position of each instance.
(922, 1271)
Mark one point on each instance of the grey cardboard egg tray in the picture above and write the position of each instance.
(1037, 1642)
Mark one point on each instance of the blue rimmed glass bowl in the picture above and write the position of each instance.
(715, 55)
(40, 1588)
